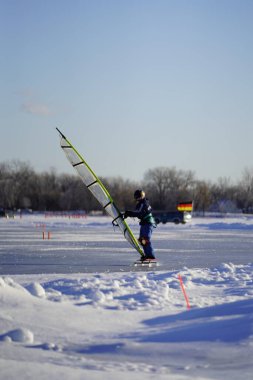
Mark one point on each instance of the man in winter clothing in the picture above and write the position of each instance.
(143, 211)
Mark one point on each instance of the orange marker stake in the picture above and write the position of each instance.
(184, 292)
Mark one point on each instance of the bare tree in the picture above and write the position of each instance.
(16, 184)
(202, 196)
(74, 195)
(168, 185)
(246, 190)
(121, 191)
(224, 195)
(6, 195)
(22, 187)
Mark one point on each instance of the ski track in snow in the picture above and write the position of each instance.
(107, 325)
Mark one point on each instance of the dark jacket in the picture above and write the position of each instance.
(143, 211)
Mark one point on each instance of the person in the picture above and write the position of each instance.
(143, 211)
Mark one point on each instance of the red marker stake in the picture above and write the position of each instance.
(184, 292)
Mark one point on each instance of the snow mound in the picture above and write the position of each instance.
(36, 290)
(9, 283)
(229, 322)
(21, 335)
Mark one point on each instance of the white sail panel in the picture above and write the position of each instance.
(125, 231)
(85, 174)
(99, 193)
(112, 211)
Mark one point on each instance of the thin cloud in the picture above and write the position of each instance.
(38, 109)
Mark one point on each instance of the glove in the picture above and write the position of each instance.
(126, 214)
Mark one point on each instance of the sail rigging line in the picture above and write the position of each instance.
(99, 191)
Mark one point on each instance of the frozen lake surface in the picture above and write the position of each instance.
(92, 244)
(74, 307)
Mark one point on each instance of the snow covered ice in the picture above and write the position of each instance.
(74, 306)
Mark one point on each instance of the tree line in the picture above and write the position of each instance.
(21, 187)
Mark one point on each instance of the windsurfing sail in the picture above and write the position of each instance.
(96, 187)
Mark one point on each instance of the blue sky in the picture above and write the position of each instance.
(133, 84)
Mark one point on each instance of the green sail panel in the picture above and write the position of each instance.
(96, 187)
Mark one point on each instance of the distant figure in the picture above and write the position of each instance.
(143, 211)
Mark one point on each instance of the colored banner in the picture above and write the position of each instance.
(186, 206)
